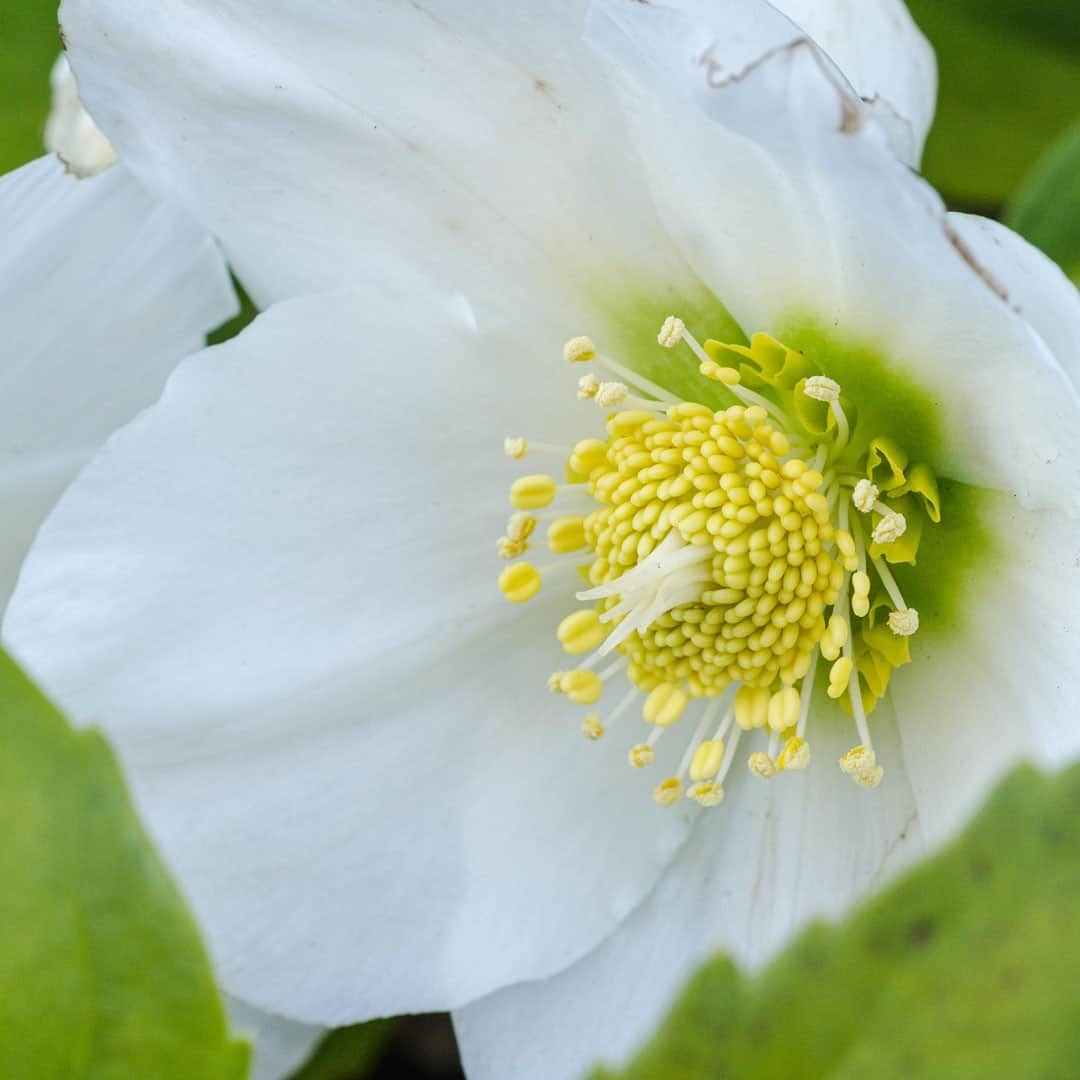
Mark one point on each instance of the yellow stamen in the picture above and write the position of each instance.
(642, 755)
(592, 728)
(795, 755)
(669, 792)
(665, 705)
(707, 760)
(515, 447)
(532, 492)
(761, 765)
(520, 582)
(581, 632)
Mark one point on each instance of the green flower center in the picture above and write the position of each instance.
(730, 552)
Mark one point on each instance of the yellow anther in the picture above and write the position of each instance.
(835, 637)
(845, 544)
(592, 728)
(707, 794)
(587, 387)
(751, 707)
(708, 758)
(865, 496)
(761, 765)
(588, 454)
(840, 676)
(729, 376)
(784, 709)
(669, 792)
(860, 583)
(795, 755)
(671, 333)
(514, 446)
(520, 526)
(860, 605)
(665, 705)
(859, 759)
(810, 480)
(581, 632)
(822, 388)
(890, 528)
(566, 534)
(869, 779)
(509, 548)
(581, 687)
(520, 582)
(532, 492)
(904, 623)
(642, 755)
(579, 350)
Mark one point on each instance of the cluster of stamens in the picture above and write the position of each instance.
(723, 562)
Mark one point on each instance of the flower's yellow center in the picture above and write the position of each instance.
(728, 552)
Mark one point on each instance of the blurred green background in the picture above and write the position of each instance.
(1006, 143)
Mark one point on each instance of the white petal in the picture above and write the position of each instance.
(473, 135)
(1036, 286)
(278, 596)
(103, 290)
(785, 202)
(1003, 686)
(279, 1046)
(757, 868)
(882, 53)
(70, 132)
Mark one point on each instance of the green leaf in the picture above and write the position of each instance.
(30, 43)
(1046, 209)
(1010, 84)
(348, 1053)
(102, 973)
(965, 968)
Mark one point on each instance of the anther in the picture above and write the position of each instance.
(707, 759)
(671, 333)
(822, 388)
(579, 350)
(587, 387)
(509, 548)
(707, 794)
(580, 686)
(891, 527)
(610, 394)
(665, 705)
(520, 582)
(795, 755)
(592, 728)
(761, 765)
(839, 676)
(532, 492)
(858, 759)
(520, 526)
(865, 496)
(580, 632)
(642, 755)
(904, 623)
(669, 792)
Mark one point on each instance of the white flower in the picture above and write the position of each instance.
(70, 132)
(276, 585)
(103, 290)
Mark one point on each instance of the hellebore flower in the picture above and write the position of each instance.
(812, 472)
(103, 290)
